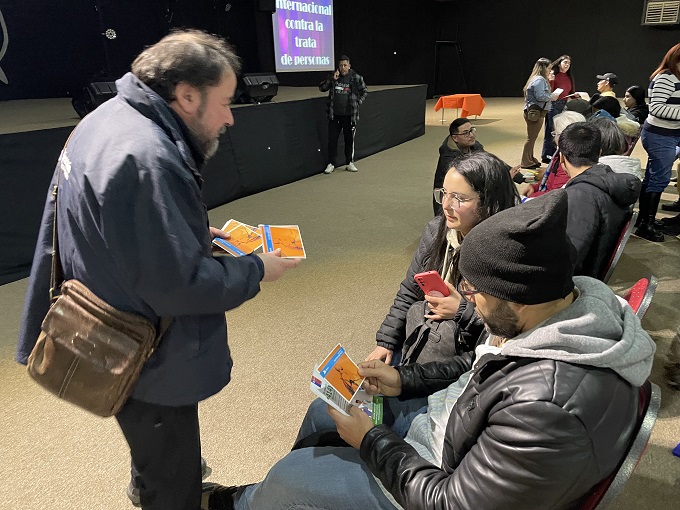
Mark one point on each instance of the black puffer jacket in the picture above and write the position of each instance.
(599, 202)
(392, 331)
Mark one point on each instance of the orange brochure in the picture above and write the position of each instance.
(286, 237)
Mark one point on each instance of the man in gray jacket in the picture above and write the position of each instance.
(546, 412)
(132, 227)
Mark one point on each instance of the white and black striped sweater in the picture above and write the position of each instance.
(664, 104)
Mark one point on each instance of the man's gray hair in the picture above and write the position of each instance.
(189, 56)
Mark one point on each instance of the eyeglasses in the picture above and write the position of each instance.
(440, 194)
(468, 132)
(466, 290)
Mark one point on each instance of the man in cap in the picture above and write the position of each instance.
(547, 411)
(606, 84)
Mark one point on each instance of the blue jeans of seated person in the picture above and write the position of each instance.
(326, 477)
(661, 152)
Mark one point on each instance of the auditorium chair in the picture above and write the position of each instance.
(640, 295)
(604, 493)
(620, 245)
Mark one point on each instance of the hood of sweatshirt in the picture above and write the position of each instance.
(623, 165)
(598, 329)
(623, 188)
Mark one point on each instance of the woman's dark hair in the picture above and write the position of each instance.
(189, 56)
(613, 141)
(637, 93)
(490, 178)
(555, 66)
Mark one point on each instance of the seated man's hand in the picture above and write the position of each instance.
(351, 428)
(380, 378)
(380, 353)
(443, 307)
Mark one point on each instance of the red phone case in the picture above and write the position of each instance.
(431, 282)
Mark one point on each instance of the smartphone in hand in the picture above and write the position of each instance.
(432, 284)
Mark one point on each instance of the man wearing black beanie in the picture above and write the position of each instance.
(546, 412)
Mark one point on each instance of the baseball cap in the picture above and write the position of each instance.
(610, 77)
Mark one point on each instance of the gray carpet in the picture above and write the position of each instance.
(360, 232)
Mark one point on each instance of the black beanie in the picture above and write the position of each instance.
(522, 254)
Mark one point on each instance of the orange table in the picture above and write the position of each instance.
(472, 104)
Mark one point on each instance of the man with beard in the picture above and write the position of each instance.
(132, 228)
(544, 411)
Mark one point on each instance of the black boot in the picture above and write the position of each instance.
(670, 226)
(649, 203)
(642, 204)
(674, 221)
(674, 207)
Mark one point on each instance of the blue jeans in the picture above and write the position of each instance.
(323, 477)
(661, 152)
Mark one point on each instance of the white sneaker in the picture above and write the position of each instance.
(329, 169)
(351, 167)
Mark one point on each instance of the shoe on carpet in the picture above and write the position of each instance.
(352, 167)
(673, 207)
(218, 497)
(133, 490)
(532, 167)
(670, 230)
(546, 160)
(329, 169)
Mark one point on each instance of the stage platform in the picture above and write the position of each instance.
(270, 144)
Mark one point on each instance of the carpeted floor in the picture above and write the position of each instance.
(360, 232)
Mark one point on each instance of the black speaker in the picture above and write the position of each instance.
(92, 96)
(266, 5)
(258, 88)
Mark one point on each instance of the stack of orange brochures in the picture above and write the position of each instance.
(285, 237)
(244, 239)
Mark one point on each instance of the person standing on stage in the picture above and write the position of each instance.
(133, 228)
(346, 91)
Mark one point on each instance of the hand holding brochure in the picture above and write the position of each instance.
(285, 237)
(337, 381)
(244, 239)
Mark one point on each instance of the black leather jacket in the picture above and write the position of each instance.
(525, 433)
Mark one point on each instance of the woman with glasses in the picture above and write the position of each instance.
(461, 142)
(537, 98)
(475, 188)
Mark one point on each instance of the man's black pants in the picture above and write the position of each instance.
(341, 123)
(165, 447)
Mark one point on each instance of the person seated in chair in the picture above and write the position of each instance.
(460, 142)
(600, 200)
(609, 107)
(548, 411)
(605, 87)
(613, 148)
(557, 178)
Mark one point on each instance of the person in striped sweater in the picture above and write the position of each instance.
(660, 136)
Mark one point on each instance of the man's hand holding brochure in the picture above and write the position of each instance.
(336, 380)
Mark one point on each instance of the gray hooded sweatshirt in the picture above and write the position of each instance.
(599, 329)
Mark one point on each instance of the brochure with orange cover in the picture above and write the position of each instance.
(244, 239)
(337, 381)
(286, 237)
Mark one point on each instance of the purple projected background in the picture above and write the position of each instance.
(303, 35)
